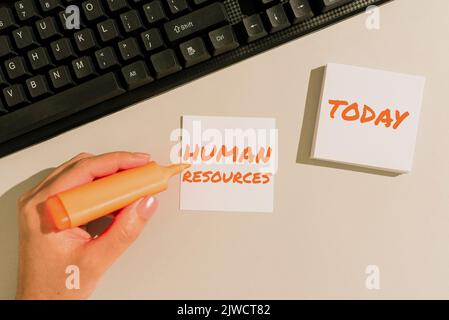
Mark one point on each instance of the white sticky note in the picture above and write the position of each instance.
(368, 118)
(234, 161)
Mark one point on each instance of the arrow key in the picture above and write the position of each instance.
(278, 18)
(254, 28)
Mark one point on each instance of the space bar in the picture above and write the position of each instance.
(59, 106)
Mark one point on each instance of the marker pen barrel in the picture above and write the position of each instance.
(80, 205)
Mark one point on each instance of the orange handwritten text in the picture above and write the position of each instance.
(236, 154)
(366, 114)
(223, 177)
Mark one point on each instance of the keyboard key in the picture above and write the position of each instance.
(194, 51)
(60, 77)
(108, 30)
(50, 5)
(300, 10)
(129, 49)
(223, 40)
(62, 49)
(26, 10)
(278, 18)
(136, 75)
(327, 5)
(93, 10)
(24, 37)
(196, 21)
(16, 68)
(39, 58)
(131, 21)
(14, 96)
(106, 58)
(37, 86)
(165, 63)
(60, 106)
(85, 40)
(83, 68)
(154, 12)
(177, 6)
(47, 28)
(6, 48)
(6, 19)
(117, 5)
(152, 39)
(254, 27)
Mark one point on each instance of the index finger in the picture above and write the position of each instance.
(89, 169)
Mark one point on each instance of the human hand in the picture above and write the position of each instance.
(45, 252)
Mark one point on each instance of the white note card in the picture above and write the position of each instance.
(233, 163)
(368, 118)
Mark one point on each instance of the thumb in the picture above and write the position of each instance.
(123, 231)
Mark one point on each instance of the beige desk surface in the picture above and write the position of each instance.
(314, 245)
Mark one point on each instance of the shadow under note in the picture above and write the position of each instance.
(308, 128)
(9, 233)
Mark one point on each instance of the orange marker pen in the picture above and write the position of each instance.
(80, 205)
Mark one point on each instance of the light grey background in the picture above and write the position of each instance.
(328, 223)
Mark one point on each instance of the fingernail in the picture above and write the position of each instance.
(146, 207)
(142, 155)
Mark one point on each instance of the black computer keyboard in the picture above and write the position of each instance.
(54, 77)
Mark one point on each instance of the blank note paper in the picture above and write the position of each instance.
(234, 161)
